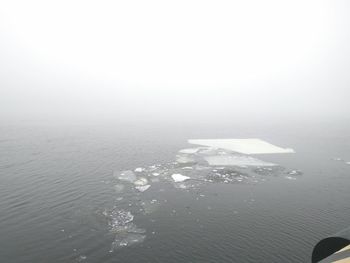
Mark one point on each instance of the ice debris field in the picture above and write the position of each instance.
(225, 161)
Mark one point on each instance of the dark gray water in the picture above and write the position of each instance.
(57, 191)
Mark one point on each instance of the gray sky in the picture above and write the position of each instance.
(173, 59)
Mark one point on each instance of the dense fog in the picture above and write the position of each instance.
(173, 60)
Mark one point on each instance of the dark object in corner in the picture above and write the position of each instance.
(330, 245)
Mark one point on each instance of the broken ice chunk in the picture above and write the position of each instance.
(142, 188)
(294, 172)
(179, 177)
(235, 160)
(245, 146)
(141, 181)
(139, 170)
(128, 176)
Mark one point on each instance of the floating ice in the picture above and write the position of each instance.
(81, 258)
(142, 188)
(245, 146)
(126, 232)
(141, 181)
(179, 177)
(227, 175)
(128, 176)
(294, 172)
(216, 161)
(190, 150)
(127, 239)
(235, 160)
(120, 218)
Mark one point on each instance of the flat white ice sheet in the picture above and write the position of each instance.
(245, 146)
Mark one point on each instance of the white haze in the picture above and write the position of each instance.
(132, 60)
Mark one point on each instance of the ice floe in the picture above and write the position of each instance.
(246, 146)
(141, 181)
(179, 177)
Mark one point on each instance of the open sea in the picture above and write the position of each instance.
(62, 199)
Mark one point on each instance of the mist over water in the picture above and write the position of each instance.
(86, 61)
(97, 100)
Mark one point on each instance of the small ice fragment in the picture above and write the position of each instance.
(141, 181)
(179, 177)
(81, 258)
(155, 174)
(187, 168)
(142, 188)
(294, 172)
(128, 176)
(290, 178)
(245, 146)
(347, 162)
(139, 170)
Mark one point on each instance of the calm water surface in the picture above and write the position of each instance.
(56, 184)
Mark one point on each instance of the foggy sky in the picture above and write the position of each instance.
(173, 59)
